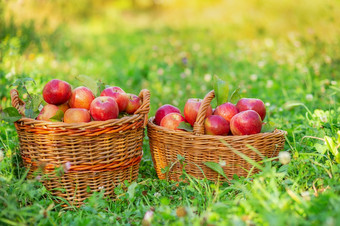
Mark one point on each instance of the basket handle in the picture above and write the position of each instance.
(17, 102)
(199, 124)
(145, 107)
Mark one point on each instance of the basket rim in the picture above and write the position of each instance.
(192, 135)
(140, 114)
(117, 121)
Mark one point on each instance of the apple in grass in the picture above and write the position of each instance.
(118, 95)
(246, 123)
(76, 115)
(57, 92)
(216, 125)
(103, 108)
(163, 111)
(252, 104)
(191, 108)
(226, 110)
(81, 98)
(172, 120)
(134, 103)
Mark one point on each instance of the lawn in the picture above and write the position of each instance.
(286, 54)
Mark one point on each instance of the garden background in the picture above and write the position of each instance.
(286, 53)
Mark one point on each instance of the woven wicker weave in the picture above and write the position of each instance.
(92, 156)
(197, 148)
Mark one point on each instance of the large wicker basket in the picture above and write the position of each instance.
(76, 159)
(197, 148)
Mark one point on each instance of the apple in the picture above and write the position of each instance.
(57, 92)
(246, 123)
(75, 115)
(103, 108)
(252, 104)
(47, 112)
(191, 108)
(216, 125)
(115, 89)
(226, 110)
(134, 103)
(64, 107)
(172, 120)
(81, 98)
(118, 95)
(163, 111)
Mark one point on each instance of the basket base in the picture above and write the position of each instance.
(72, 188)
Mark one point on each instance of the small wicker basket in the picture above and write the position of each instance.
(197, 148)
(92, 156)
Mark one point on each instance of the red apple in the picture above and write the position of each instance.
(216, 125)
(118, 95)
(134, 103)
(246, 123)
(172, 120)
(104, 108)
(75, 115)
(64, 107)
(57, 92)
(226, 110)
(47, 112)
(191, 108)
(81, 98)
(115, 89)
(252, 104)
(163, 111)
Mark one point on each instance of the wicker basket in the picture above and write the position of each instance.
(88, 156)
(197, 148)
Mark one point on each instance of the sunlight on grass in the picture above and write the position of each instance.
(284, 52)
(243, 19)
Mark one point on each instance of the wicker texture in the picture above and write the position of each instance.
(197, 148)
(92, 156)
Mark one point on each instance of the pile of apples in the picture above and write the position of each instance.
(81, 105)
(244, 118)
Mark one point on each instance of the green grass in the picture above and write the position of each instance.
(296, 74)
